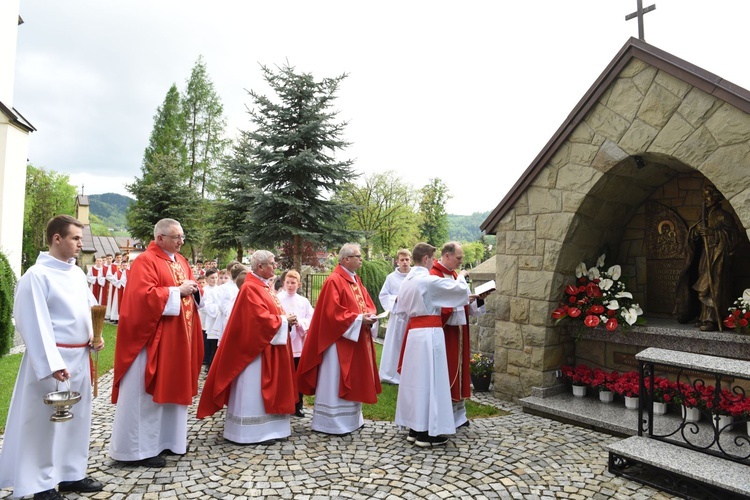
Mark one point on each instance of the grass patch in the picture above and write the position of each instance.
(385, 408)
(10, 364)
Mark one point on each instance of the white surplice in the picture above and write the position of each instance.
(210, 311)
(394, 332)
(424, 396)
(300, 306)
(246, 419)
(52, 306)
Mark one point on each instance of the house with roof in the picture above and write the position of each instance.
(14, 138)
(636, 151)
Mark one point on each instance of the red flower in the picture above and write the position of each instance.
(593, 290)
(743, 323)
(591, 321)
(597, 309)
(574, 312)
(571, 290)
(611, 324)
(729, 321)
(559, 313)
(572, 299)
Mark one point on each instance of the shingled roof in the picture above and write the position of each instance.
(633, 49)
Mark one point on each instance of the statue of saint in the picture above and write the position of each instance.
(707, 274)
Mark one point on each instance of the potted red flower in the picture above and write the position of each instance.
(579, 377)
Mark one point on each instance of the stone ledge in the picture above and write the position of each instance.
(700, 362)
(668, 334)
(701, 467)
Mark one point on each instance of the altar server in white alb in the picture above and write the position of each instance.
(394, 332)
(424, 396)
(52, 310)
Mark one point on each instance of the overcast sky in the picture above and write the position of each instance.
(465, 91)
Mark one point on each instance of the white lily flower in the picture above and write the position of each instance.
(629, 315)
(600, 261)
(580, 270)
(746, 296)
(606, 284)
(615, 272)
(638, 309)
(624, 295)
(612, 305)
(593, 273)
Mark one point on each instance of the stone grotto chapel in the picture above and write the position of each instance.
(632, 156)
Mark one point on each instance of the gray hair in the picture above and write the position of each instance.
(163, 226)
(348, 250)
(259, 258)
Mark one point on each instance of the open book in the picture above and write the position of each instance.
(485, 287)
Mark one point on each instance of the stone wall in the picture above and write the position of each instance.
(591, 188)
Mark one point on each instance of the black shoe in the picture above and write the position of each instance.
(424, 440)
(465, 424)
(169, 453)
(299, 412)
(48, 495)
(85, 485)
(412, 436)
(156, 461)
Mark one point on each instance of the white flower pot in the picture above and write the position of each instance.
(691, 414)
(631, 403)
(606, 396)
(726, 422)
(579, 391)
(660, 408)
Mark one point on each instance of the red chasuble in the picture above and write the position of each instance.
(457, 344)
(174, 344)
(341, 300)
(254, 321)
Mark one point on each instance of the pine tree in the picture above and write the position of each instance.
(168, 135)
(289, 162)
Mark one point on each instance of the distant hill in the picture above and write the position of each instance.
(466, 227)
(110, 208)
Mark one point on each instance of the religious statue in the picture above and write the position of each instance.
(707, 274)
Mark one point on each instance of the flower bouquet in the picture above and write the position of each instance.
(739, 313)
(599, 297)
(580, 375)
(604, 381)
(481, 364)
(627, 385)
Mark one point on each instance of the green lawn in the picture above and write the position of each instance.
(384, 409)
(10, 364)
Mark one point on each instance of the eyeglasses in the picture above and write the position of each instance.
(175, 237)
(354, 257)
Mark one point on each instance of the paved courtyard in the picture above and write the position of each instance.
(513, 456)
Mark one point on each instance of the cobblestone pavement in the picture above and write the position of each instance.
(513, 456)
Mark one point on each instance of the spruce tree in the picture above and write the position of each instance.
(289, 160)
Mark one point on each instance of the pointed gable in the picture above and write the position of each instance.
(632, 50)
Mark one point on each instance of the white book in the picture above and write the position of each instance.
(485, 287)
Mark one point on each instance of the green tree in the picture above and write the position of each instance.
(373, 274)
(48, 193)
(168, 134)
(434, 220)
(204, 130)
(161, 193)
(382, 210)
(7, 290)
(289, 162)
(473, 253)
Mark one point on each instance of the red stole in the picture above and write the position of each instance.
(254, 321)
(457, 343)
(342, 299)
(174, 344)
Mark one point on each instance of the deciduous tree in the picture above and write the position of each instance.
(434, 220)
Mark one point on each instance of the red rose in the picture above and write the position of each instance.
(597, 309)
(558, 313)
(574, 312)
(611, 324)
(591, 321)
(747, 315)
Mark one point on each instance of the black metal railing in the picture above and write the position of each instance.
(312, 285)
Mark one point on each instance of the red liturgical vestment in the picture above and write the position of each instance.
(342, 299)
(174, 344)
(254, 322)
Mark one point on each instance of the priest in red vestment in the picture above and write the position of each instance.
(253, 370)
(338, 359)
(456, 328)
(158, 354)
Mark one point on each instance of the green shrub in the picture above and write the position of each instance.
(7, 290)
(373, 274)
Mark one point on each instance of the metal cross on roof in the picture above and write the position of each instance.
(639, 14)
